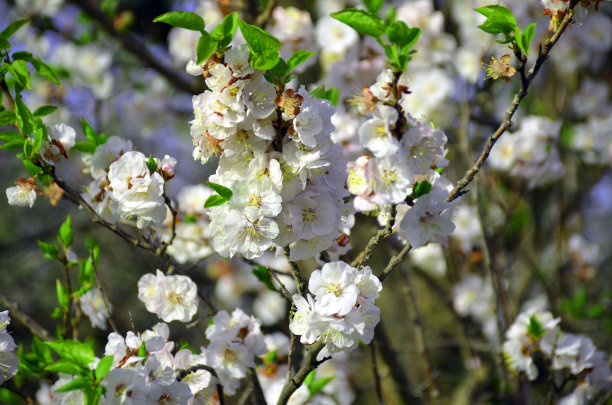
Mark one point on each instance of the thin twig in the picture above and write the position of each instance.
(173, 211)
(258, 394)
(310, 363)
(104, 300)
(381, 234)
(25, 319)
(66, 317)
(459, 189)
(395, 260)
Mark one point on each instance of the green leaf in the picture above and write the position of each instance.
(318, 385)
(535, 328)
(279, 70)
(528, 37)
(499, 20)
(224, 32)
(402, 35)
(421, 188)
(76, 384)
(23, 55)
(41, 350)
(19, 70)
(7, 117)
(331, 94)
(264, 60)
(85, 147)
(92, 136)
(373, 6)
(361, 21)
(62, 293)
(8, 397)
(215, 200)
(103, 367)
(45, 71)
(263, 275)
(298, 58)
(51, 251)
(390, 14)
(13, 145)
(271, 357)
(151, 164)
(65, 232)
(24, 117)
(4, 44)
(142, 350)
(206, 47)
(221, 190)
(80, 353)
(44, 110)
(182, 19)
(310, 378)
(257, 39)
(31, 167)
(13, 28)
(67, 367)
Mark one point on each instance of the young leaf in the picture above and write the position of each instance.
(225, 31)
(399, 33)
(76, 384)
(182, 19)
(264, 60)
(310, 378)
(20, 72)
(142, 350)
(206, 47)
(258, 40)
(62, 294)
(298, 58)
(24, 117)
(535, 328)
(65, 233)
(318, 385)
(361, 21)
(528, 37)
(7, 117)
(51, 251)
(13, 145)
(80, 353)
(45, 71)
(332, 94)
(264, 276)
(44, 110)
(67, 367)
(280, 69)
(421, 188)
(151, 164)
(12, 28)
(103, 367)
(499, 20)
(221, 190)
(373, 6)
(214, 200)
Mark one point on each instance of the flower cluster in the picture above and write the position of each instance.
(276, 156)
(124, 186)
(170, 297)
(407, 154)
(8, 360)
(234, 342)
(342, 312)
(535, 331)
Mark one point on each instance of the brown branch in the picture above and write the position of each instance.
(395, 260)
(381, 234)
(375, 372)
(138, 48)
(459, 189)
(310, 363)
(25, 319)
(173, 211)
(295, 270)
(258, 395)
